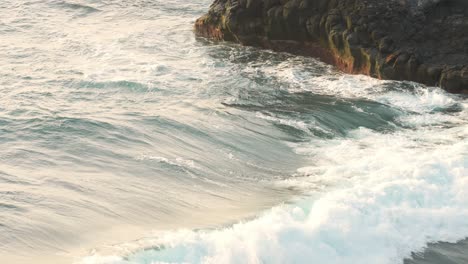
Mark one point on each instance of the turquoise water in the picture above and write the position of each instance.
(125, 139)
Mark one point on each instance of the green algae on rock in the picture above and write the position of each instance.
(424, 41)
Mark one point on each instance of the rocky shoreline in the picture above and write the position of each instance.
(425, 41)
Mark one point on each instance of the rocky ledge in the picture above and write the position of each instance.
(418, 40)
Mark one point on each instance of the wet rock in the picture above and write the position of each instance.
(416, 40)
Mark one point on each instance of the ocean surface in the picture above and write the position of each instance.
(126, 139)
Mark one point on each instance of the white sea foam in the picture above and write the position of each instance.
(297, 124)
(178, 161)
(387, 200)
(374, 198)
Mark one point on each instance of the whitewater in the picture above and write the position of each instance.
(124, 139)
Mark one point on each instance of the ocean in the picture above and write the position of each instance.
(125, 139)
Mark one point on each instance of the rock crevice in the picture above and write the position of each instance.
(418, 40)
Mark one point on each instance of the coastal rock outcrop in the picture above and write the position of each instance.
(418, 40)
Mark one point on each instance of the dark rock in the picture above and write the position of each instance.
(418, 40)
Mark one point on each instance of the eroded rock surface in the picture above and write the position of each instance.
(418, 40)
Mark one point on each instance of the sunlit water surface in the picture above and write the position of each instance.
(125, 139)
